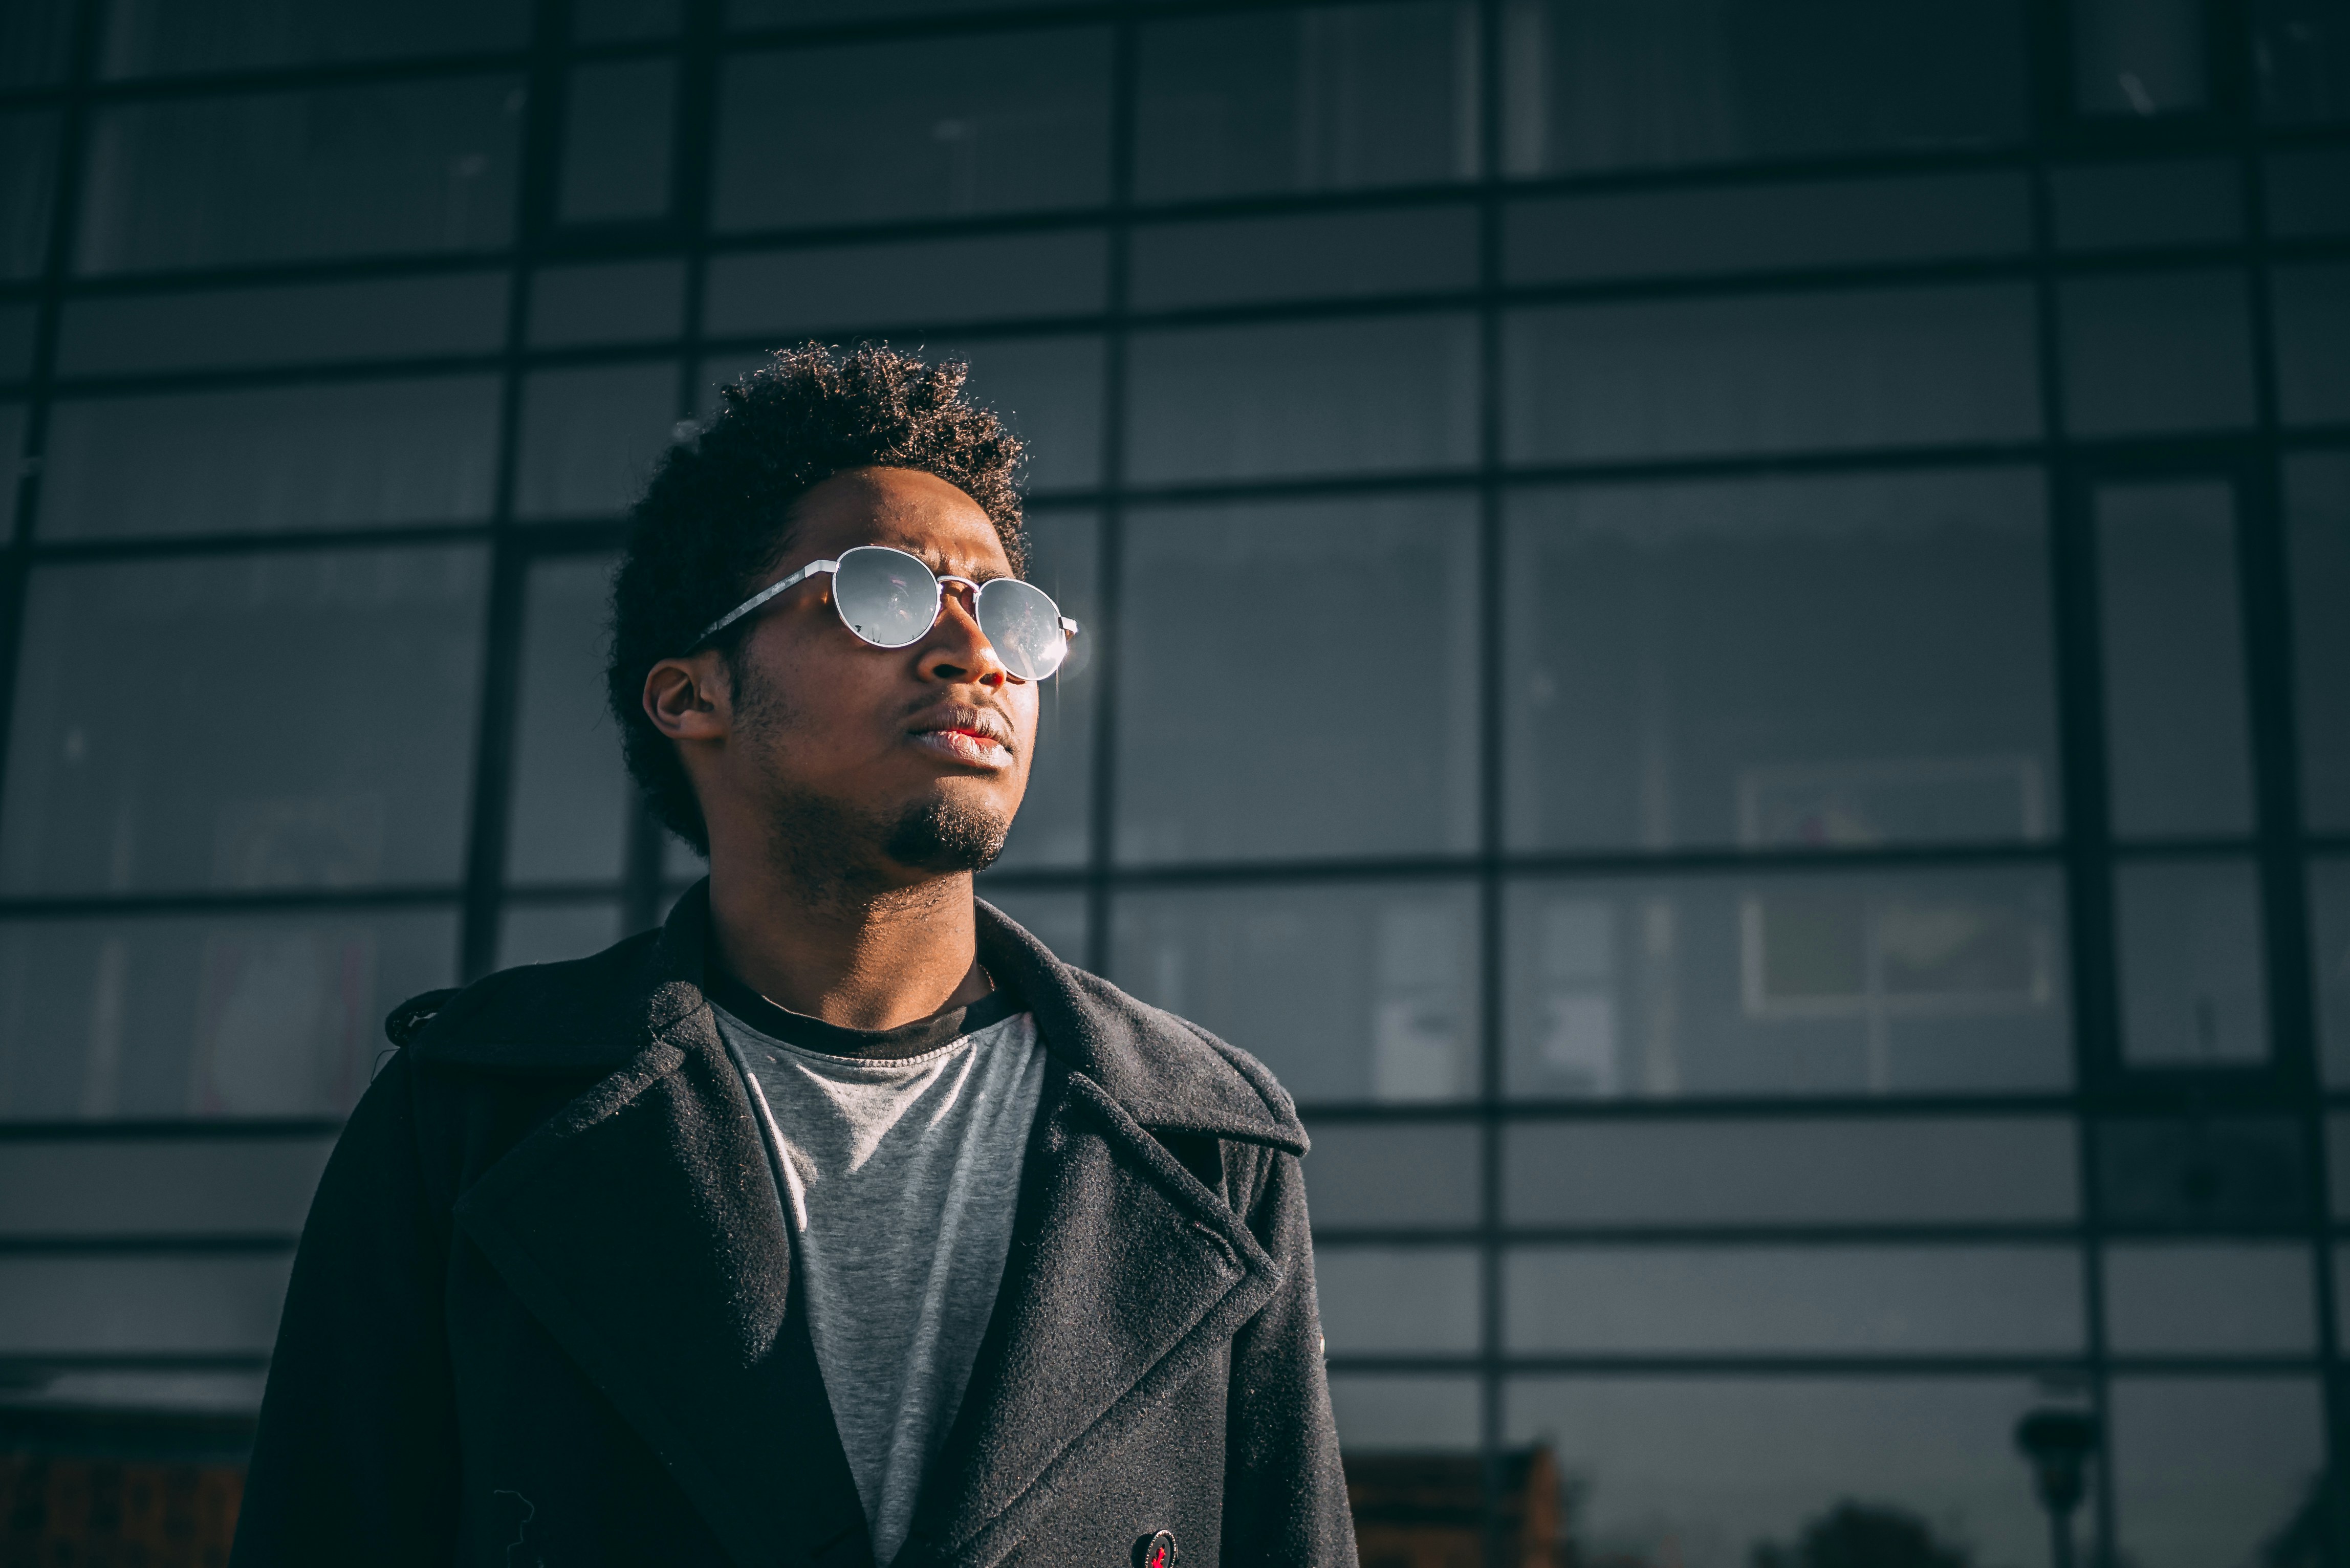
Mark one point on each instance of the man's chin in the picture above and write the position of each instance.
(943, 837)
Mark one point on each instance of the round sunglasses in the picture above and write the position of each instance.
(891, 599)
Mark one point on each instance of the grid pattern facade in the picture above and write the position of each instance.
(1716, 626)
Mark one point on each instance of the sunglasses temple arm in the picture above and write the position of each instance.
(762, 597)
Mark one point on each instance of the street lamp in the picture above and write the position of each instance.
(2058, 1443)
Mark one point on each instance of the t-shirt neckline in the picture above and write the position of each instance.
(797, 1030)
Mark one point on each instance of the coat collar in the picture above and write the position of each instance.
(642, 1226)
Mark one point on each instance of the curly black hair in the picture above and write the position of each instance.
(717, 517)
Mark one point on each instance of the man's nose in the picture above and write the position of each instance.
(958, 650)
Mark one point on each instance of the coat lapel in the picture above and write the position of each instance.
(640, 1226)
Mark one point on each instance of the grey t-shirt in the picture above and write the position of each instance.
(899, 1173)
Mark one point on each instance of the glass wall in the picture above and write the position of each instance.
(1769, 755)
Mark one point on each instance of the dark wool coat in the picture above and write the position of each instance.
(543, 1313)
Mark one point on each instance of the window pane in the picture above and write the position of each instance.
(2153, 352)
(149, 36)
(614, 21)
(1817, 984)
(987, 122)
(616, 140)
(122, 776)
(2329, 910)
(2302, 54)
(627, 302)
(1331, 98)
(2189, 935)
(2204, 1171)
(797, 13)
(1349, 991)
(2317, 524)
(2312, 342)
(2337, 1175)
(1415, 1414)
(1259, 402)
(1410, 1300)
(18, 325)
(1761, 228)
(191, 1305)
(551, 933)
(2242, 1298)
(2309, 190)
(29, 154)
(36, 40)
(1055, 823)
(1663, 378)
(134, 1185)
(1386, 1173)
(1301, 768)
(1780, 663)
(590, 438)
(2177, 732)
(1821, 1300)
(1702, 1471)
(994, 277)
(1911, 1170)
(2104, 205)
(1604, 84)
(1057, 920)
(218, 1015)
(280, 457)
(1325, 255)
(572, 800)
(2209, 1469)
(288, 176)
(308, 323)
(2137, 58)
(1049, 391)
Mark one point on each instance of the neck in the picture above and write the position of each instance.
(869, 958)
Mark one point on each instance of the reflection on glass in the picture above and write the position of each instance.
(2101, 206)
(1771, 373)
(1405, 1300)
(124, 773)
(623, 302)
(989, 277)
(2300, 60)
(1605, 86)
(1054, 827)
(1348, 991)
(2149, 352)
(288, 176)
(156, 36)
(29, 154)
(2138, 58)
(1419, 1415)
(1794, 984)
(1330, 97)
(1842, 1170)
(569, 818)
(2178, 729)
(1780, 663)
(983, 122)
(406, 317)
(421, 451)
(2189, 939)
(551, 933)
(2313, 341)
(590, 438)
(1301, 398)
(1824, 1299)
(1701, 1471)
(220, 1015)
(2317, 574)
(616, 141)
(2329, 962)
(1764, 227)
(1394, 1173)
(1049, 391)
(1322, 255)
(2236, 1298)
(2212, 1469)
(1275, 609)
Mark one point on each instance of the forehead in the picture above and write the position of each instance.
(918, 513)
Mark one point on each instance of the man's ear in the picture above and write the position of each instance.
(691, 699)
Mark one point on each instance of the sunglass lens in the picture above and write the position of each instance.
(1024, 624)
(887, 597)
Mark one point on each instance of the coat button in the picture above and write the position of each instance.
(1156, 1550)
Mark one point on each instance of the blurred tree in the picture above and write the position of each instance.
(1863, 1535)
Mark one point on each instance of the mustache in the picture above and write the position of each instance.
(988, 721)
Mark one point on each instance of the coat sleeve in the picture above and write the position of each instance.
(1284, 1493)
(356, 1461)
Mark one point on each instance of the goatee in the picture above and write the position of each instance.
(945, 837)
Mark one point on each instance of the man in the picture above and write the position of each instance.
(838, 1222)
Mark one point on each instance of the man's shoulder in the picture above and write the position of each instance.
(579, 1014)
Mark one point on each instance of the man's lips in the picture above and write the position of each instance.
(970, 735)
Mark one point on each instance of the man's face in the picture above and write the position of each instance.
(911, 760)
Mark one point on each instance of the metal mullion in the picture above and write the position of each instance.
(178, 1129)
(1713, 1237)
(1814, 1364)
(169, 546)
(165, 1244)
(256, 81)
(1110, 556)
(119, 906)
